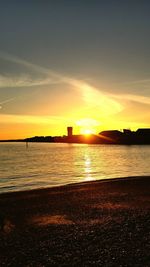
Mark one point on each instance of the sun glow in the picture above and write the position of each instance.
(87, 126)
(87, 131)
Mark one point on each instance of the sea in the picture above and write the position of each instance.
(41, 165)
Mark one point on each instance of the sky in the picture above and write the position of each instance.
(75, 63)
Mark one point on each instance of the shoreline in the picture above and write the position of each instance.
(103, 180)
(98, 223)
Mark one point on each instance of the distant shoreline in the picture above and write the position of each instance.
(88, 143)
(115, 137)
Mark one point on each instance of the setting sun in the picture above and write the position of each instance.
(87, 126)
(87, 131)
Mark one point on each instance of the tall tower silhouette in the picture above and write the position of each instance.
(69, 131)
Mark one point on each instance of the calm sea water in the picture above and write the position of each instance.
(48, 165)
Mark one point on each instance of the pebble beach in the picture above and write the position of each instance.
(101, 223)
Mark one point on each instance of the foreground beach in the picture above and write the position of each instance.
(102, 223)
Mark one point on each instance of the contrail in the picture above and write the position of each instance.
(144, 81)
(38, 68)
(131, 97)
(90, 95)
(61, 77)
(7, 101)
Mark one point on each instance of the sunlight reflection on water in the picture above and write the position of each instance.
(48, 165)
(88, 168)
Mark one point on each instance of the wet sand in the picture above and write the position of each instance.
(103, 223)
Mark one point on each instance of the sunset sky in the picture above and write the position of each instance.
(75, 63)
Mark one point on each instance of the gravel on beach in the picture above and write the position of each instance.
(101, 223)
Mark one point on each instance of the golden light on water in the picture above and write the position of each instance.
(88, 167)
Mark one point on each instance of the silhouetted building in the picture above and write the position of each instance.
(111, 136)
(144, 131)
(40, 139)
(127, 131)
(127, 137)
(143, 136)
(70, 131)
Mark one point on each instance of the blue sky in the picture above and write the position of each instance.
(82, 63)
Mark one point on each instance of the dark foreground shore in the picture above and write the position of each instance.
(105, 223)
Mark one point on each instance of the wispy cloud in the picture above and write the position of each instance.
(132, 97)
(97, 105)
(6, 101)
(141, 81)
(31, 66)
(102, 103)
(93, 98)
(24, 81)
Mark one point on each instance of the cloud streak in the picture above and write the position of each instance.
(95, 101)
(41, 70)
(24, 81)
(6, 101)
(142, 81)
(92, 97)
(98, 106)
(132, 97)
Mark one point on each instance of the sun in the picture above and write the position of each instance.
(87, 126)
(87, 131)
